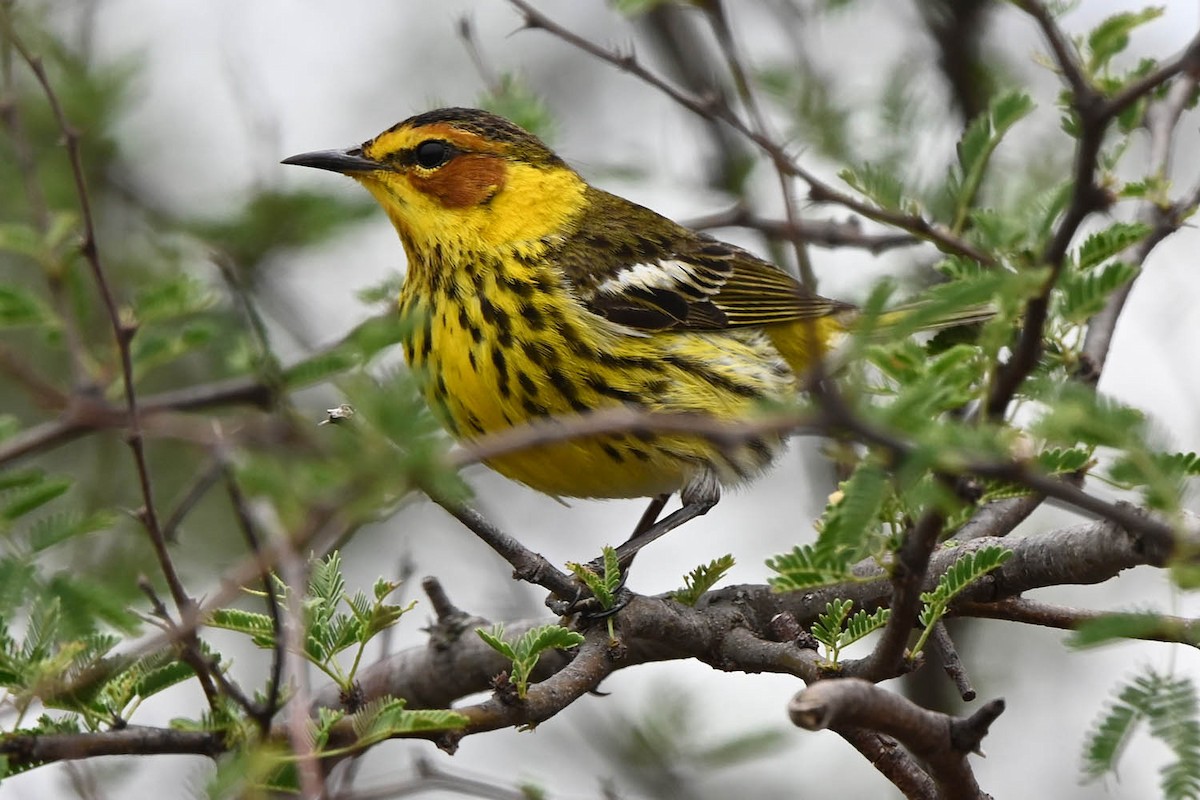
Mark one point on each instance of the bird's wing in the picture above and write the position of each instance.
(652, 274)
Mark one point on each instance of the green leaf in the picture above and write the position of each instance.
(1103, 245)
(1084, 295)
(512, 98)
(1076, 414)
(1168, 707)
(1128, 625)
(968, 568)
(1160, 476)
(828, 626)
(701, 579)
(55, 529)
(387, 717)
(20, 238)
(527, 650)
(863, 624)
(1109, 737)
(632, 8)
(274, 219)
(84, 600)
(979, 141)
(257, 626)
(357, 348)
(879, 185)
(20, 502)
(1059, 461)
(152, 681)
(326, 585)
(603, 587)
(847, 528)
(174, 297)
(1187, 464)
(20, 308)
(1111, 36)
(385, 291)
(495, 640)
(836, 630)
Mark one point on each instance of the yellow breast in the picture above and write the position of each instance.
(509, 344)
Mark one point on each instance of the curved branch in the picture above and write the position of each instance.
(735, 628)
(941, 741)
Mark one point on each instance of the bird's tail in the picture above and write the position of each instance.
(802, 342)
(926, 317)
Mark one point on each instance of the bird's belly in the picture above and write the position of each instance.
(481, 381)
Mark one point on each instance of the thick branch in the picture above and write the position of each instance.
(941, 741)
(732, 628)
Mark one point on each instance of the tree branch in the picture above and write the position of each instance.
(714, 108)
(941, 741)
(1167, 628)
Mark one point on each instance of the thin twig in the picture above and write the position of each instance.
(1166, 627)
(1161, 119)
(204, 480)
(816, 232)
(1093, 113)
(715, 12)
(527, 565)
(712, 108)
(122, 330)
(294, 571)
(266, 712)
(943, 646)
(56, 277)
(909, 570)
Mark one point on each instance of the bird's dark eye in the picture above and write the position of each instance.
(432, 154)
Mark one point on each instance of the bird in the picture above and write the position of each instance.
(533, 294)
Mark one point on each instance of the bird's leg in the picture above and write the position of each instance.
(650, 515)
(699, 495)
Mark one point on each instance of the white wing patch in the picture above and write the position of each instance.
(673, 275)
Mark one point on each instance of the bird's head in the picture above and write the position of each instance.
(460, 175)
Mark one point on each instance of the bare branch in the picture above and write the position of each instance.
(817, 232)
(1094, 114)
(1172, 629)
(909, 570)
(943, 647)
(941, 741)
(456, 663)
(30, 748)
(712, 108)
(1162, 117)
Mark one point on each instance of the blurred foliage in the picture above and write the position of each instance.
(189, 294)
(1166, 706)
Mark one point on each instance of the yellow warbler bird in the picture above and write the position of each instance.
(536, 294)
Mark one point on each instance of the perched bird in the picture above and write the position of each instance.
(535, 294)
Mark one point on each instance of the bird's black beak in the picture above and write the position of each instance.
(343, 161)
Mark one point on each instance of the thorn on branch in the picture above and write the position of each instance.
(967, 734)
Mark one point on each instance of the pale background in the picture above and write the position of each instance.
(231, 87)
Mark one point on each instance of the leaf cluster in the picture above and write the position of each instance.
(334, 621)
(526, 651)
